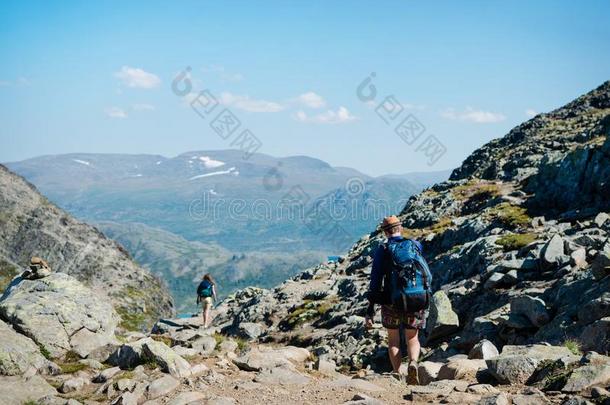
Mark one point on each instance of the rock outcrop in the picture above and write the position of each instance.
(60, 314)
(30, 225)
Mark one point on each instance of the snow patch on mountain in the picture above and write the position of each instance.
(82, 162)
(210, 163)
(229, 171)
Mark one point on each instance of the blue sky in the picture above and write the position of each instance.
(96, 76)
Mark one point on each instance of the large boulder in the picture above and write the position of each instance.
(588, 376)
(59, 313)
(516, 364)
(166, 358)
(533, 308)
(552, 254)
(483, 350)
(19, 354)
(128, 355)
(15, 390)
(443, 320)
(596, 336)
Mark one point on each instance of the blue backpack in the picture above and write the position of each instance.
(409, 277)
(205, 289)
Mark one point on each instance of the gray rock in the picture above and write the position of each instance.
(326, 367)
(106, 374)
(166, 358)
(552, 254)
(600, 267)
(595, 309)
(601, 219)
(361, 399)
(73, 384)
(495, 399)
(483, 350)
(15, 390)
(355, 383)
(482, 389)
(205, 345)
(249, 330)
(494, 281)
(587, 377)
(162, 387)
(54, 310)
(532, 308)
(443, 320)
(186, 398)
(428, 371)
(596, 336)
(578, 258)
(516, 364)
(185, 351)
(281, 376)
(228, 346)
(128, 355)
(19, 354)
(461, 369)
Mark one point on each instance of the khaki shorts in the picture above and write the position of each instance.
(391, 319)
(206, 302)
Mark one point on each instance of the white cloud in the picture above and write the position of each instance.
(137, 78)
(472, 115)
(246, 103)
(531, 113)
(143, 107)
(342, 115)
(311, 100)
(115, 112)
(224, 75)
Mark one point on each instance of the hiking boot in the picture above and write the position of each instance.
(412, 375)
(403, 373)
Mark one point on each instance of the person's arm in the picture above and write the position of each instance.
(214, 292)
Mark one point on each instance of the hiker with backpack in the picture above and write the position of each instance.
(206, 292)
(400, 283)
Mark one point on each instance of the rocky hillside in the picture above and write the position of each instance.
(518, 241)
(32, 226)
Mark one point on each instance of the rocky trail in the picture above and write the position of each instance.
(518, 241)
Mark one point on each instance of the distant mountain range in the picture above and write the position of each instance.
(204, 210)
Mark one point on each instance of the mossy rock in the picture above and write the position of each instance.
(516, 241)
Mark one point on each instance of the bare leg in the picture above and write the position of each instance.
(413, 344)
(394, 348)
(206, 316)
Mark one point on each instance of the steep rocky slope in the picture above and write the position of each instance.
(517, 240)
(31, 226)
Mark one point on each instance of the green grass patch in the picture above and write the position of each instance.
(242, 344)
(130, 320)
(218, 338)
(45, 353)
(516, 241)
(475, 190)
(71, 368)
(510, 215)
(573, 346)
(163, 339)
(308, 311)
(438, 228)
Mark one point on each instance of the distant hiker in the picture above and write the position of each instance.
(206, 292)
(400, 282)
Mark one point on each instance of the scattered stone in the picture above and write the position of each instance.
(552, 254)
(483, 350)
(578, 258)
(106, 374)
(496, 399)
(249, 330)
(355, 383)
(533, 308)
(205, 345)
(443, 320)
(587, 377)
(482, 389)
(601, 219)
(15, 390)
(166, 358)
(516, 364)
(326, 367)
(19, 354)
(186, 398)
(281, 376)
(361, 399)
(428, 371)
(162, 386)
(73, 384)
(461, 369)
